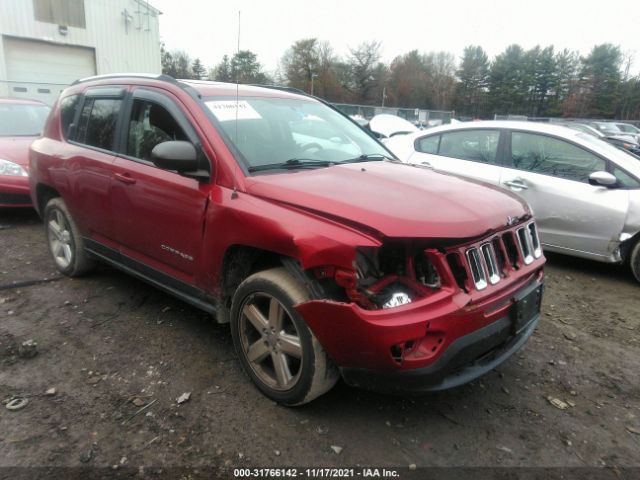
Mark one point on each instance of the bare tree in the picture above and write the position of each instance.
(362, 62)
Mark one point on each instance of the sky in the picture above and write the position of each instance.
(208, 29)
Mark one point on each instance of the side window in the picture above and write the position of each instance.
(551, 156)
(624, 179)
(475, 145)
(97, 125)
(428, 144)
(150, 124)
(68, 108)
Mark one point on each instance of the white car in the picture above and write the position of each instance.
(584, 192)
(389, 126)
(629, 129)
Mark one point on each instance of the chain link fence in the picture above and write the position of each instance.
(414, 115)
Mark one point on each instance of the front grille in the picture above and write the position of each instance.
(491, 260)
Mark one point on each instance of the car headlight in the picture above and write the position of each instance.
(11, 169)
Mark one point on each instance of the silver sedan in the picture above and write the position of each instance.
(584, 192)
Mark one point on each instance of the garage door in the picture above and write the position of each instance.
(40, 70)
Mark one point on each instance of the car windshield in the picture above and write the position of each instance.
(610, 151)
(625, 127)
(609, 128)
(291, 133)
(20, 120)
(586, 129)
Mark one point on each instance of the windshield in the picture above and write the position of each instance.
(585, 129)
(22, 120)
(272, 131)
(612, 152)
(609, 128)
(627, 128)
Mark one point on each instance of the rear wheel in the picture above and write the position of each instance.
(64, 240)
(276, 348)
(634, 260)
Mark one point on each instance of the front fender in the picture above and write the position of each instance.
(237, 218)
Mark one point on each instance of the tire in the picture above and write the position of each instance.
(276, 348)
(64, 240)
(634, 260)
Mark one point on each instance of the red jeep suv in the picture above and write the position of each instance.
(275, 212)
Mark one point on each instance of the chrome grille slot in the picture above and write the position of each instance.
(500, 255)
(524, 240)
(455, 262)
(511, 248)
(478, 273)
(535, 240)
(491, 263)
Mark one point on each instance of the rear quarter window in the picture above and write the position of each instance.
(68, 109)
(428, 144)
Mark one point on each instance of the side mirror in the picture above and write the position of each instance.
(175, 155)
(604, 179)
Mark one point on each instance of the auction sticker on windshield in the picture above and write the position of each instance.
(225, 110)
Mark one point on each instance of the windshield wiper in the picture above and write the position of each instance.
(292, 164)
(369, 157)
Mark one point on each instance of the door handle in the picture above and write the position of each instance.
(125, 178)
(516, 184)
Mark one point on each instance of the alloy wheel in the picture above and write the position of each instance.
(270, 341)
(60, 240)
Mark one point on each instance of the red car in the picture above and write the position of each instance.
(278, 214)
(20, 122)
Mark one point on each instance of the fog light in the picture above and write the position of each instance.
(396, 300)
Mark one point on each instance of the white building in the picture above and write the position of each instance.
(47, 44)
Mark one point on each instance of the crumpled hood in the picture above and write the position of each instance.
(396, 200)
(16, 149)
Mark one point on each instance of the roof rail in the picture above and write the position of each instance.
(197, 81)
(162, 77)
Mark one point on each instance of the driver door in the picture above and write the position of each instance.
(159, 214)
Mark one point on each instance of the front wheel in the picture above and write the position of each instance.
(64, 240)
(276, 348)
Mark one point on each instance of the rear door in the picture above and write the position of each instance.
(473, 153)
(89, 157)
(552, 175)
(159, 214)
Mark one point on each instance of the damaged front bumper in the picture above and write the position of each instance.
(434, 344)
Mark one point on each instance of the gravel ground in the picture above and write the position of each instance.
(119, 353)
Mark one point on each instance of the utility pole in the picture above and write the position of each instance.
(313, 75)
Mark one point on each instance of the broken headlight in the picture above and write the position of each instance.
(394, 275)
